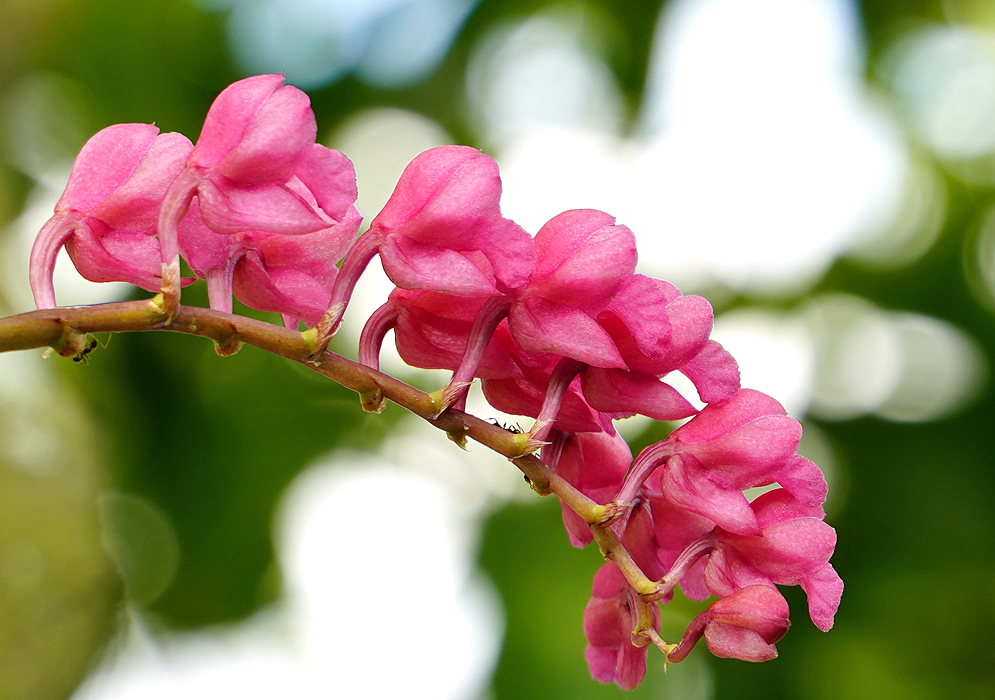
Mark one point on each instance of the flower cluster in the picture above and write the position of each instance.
(557, 326)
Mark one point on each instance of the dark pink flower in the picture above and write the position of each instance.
(657, 330)
(609, 619)
(582, 257)
(595, 464)
(744, 625)
(793, 548)
(747, 441)
(106, 217)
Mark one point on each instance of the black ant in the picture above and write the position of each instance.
(514, 429)
(81, 356)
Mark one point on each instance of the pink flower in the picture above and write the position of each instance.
(290, 273)
(609, 620)
(595, 464)
(106, 217)
(745, 442)
(793, 548)
(743, 625)
(527, 395)
(440, 231)
(256, 168)
(582, 257)
(431, 331)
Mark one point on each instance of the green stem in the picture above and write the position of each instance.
(57, 327)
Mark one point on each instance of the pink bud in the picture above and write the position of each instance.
(256, 131)
(744, 625)
(442, 228)
(106, 217)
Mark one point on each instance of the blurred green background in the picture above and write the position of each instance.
(823, 171)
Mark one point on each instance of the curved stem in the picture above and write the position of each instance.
(175, 204)
(51, 238)
(559, 381)
(354, 264)
(645, 463)
(49, 328)
(371, 339)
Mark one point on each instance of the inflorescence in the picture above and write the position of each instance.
(557, 326)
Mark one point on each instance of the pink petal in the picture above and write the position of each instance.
(283, 290)
(726, 571)
(105, 163)
(231, 208)
(717, 421)
(104, 255)
(255, 131)
(412, 265)
(714, 373)
(687, 484)
(135, 204)
(824, 588)
(279, 135)
(733, 642)
(638, 322)
(804, 480)
(456, 185)
(581, 259)
(618, 391)
(542, 326)
(331, 178)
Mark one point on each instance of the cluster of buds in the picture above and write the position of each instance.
(557, 326)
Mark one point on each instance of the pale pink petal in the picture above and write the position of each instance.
(331, 179)
(230, 116)
(412, 265)
(135, 204)
(581, 259)
(274, 141)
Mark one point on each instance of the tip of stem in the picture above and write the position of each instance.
(525, 445)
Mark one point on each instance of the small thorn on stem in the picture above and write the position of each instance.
(525, 445)
(372, 400)
(327, 327)
(444, 398)
(229, 345)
